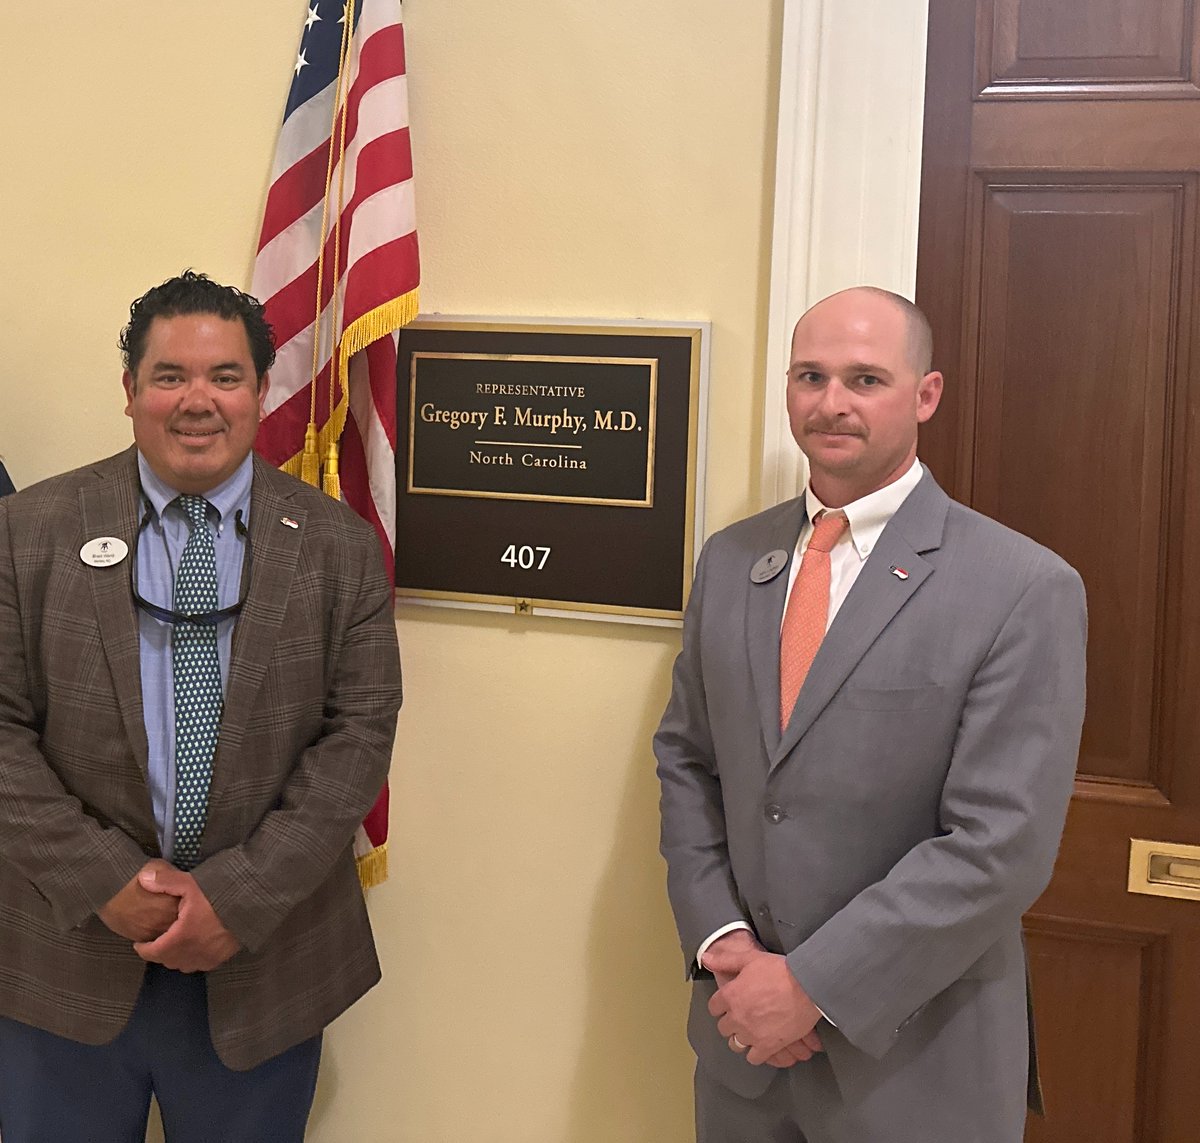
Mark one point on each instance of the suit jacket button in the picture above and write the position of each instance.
(774, 814)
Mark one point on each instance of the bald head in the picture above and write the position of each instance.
(918, 334)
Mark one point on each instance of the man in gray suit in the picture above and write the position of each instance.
(865, 763)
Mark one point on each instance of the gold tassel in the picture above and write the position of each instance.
(373, 867)
(332, 482)
(310, 461)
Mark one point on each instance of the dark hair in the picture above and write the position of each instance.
(192, 293)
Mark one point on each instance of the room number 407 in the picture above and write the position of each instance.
(525, 557)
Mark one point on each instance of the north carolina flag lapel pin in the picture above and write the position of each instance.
(899, 572)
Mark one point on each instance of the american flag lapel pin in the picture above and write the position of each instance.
(899, 572)
(288, 522)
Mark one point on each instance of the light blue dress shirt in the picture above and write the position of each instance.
(160, 546)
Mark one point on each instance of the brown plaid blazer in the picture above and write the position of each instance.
(305, 742)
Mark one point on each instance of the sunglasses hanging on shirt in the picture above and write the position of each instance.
(203, 618)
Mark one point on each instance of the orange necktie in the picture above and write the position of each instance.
(807, 612)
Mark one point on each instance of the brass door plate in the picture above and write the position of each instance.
(1164, 869)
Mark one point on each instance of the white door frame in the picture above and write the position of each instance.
(847, 178)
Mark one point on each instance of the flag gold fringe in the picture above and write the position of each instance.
(373, 867)
(378, 323)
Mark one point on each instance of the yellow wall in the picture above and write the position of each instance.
(573, 158)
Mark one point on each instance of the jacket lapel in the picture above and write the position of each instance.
(874, 601)
(764, 614)
(110, 507)
(274, 552)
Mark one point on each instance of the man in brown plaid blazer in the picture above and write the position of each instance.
(120, 974)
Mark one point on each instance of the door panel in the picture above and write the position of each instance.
(1113, 48)
(1114, 1040)
(1074, 316)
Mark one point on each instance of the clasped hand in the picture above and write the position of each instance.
(760, 1002)
(168, 919)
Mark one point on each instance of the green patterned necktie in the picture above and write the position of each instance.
(197, 672)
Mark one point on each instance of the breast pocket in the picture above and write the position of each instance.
(893, 698)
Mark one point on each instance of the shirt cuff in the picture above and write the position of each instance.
(731, 927)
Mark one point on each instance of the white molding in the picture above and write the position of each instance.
(847, 178)
(795, 168)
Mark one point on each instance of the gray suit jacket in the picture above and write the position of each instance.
(890, 838)
(305, 742)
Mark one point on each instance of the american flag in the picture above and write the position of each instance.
(337, 268)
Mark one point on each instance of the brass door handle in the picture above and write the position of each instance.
(1164, 869)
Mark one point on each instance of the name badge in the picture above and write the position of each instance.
(769, 566)
(104, 551)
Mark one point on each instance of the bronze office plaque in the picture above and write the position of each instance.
(549, 467)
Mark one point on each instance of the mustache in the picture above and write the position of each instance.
(197, 424)
(838, 428)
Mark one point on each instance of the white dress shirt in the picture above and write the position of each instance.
(868, 517)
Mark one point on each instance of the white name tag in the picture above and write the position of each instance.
(104, 551)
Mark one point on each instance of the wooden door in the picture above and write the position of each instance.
(1057, 262)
